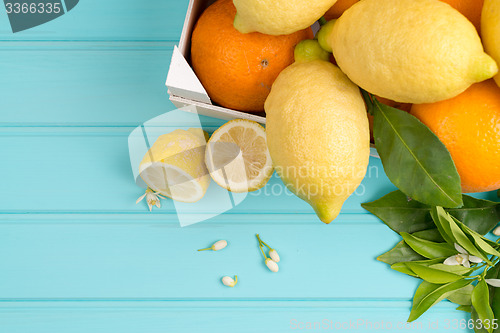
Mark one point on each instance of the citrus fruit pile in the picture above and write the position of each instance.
(436, 60)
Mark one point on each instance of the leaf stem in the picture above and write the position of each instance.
(322, 21)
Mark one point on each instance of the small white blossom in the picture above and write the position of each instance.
(462, 258)
(493, 282)
(228, 281)
(274, 255)
(272, 265)
(219, 245)
(152, 198)
(496, 231)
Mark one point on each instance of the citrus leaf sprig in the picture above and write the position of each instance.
(413, 157)
(455, 262)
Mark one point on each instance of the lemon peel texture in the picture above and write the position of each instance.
(410, 51)
(278, 17)
(317, 134)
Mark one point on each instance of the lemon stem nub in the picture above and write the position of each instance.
(322, 21)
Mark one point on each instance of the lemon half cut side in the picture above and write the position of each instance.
(237, 157)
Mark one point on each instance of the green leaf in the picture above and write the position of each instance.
(427, 248)
(432, 275)
(478, 214)
(466, 308)
(400, 213)
(429, 294)
(440, 218)
(414, 159)
(494, 296)
(432, 235)
(400, 252)
(482, 243)
(481, 304)
(464, 241)
(456, 269)
(424, 289)
(403, 268)
(494, 273)
(450, 230)
(462, 296)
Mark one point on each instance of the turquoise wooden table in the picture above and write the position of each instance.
(78, 255)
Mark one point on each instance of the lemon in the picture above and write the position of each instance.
(237, 156)
(410, 51)
(174, 165)
(309, 49)
(278, 17)
(317, 134)
(490, 30)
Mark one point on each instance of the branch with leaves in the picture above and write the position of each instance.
(442, 230)
(453, 260)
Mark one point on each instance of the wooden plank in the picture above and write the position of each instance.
(231, 317)
(143, 261)
(83, 87)
(108, 20)
(76, 170)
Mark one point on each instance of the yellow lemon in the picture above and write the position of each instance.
(317, 134)
(278, 17)
(237, 156)
(174, 165)
(490, 30)
(410, 51)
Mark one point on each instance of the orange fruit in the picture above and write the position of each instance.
(338, 8)
(236, 69)
(469, 126)
(470, 9)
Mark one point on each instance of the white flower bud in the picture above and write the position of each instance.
(228, 281)
(272, 265)
(219, 245)
(496, 231)
(274, 255)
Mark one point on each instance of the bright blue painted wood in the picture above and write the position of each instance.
(108, 20)
(230, 317)
(78, 255)
(84, 87)
(143, 261)
(88, 170)
(80, 170)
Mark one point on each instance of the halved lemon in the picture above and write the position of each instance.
(174, 166)
(237, 156)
